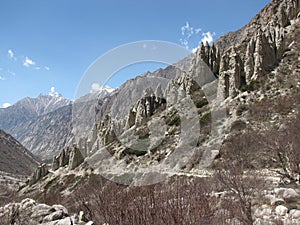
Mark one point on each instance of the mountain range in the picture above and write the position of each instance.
(43, 124)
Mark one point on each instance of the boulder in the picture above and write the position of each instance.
(281, 210)
(295, 214)
(263, 211)
(290, 195)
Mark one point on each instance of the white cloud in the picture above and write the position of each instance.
(191, 36)
(46, 68)
(96, 87)
(10, 54)
(28, 62)
(37, 68)
(2, 78)
(208, 37)
(6, 104)
(53, 91)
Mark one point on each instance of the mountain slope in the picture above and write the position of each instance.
(14, 158)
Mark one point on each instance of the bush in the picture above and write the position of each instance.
(201, 103)
(175, 121)
(130, 151)
(205, 118)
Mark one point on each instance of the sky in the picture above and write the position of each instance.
(47, 45)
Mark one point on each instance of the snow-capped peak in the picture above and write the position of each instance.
(108, 89)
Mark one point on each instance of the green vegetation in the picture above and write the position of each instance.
(175, 121)
(49, 184)
(129, 151)
(201, 103)
(205, 118)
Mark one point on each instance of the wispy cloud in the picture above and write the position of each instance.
(192, 37)
(2, 78)
(10, 54)
(46, 68)
(5, 105)
(28, 62)
(11, 73)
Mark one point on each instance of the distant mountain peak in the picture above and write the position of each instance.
(108, 88)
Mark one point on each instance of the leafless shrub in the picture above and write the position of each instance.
(181, 201)
(6, 195)
(237, 178)
(285, 143)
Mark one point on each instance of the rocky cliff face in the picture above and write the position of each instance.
(253, 51)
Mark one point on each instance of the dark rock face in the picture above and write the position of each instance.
(40, 172)
(14, 158)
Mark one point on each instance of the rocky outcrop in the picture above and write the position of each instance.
(71, 156)
(61, 160)
(276, 13)
(146, 106)
(251, 52)
(39, 173)
(76, 158)
(28, 211)
(242, 64)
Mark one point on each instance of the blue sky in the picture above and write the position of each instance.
(51, 43)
